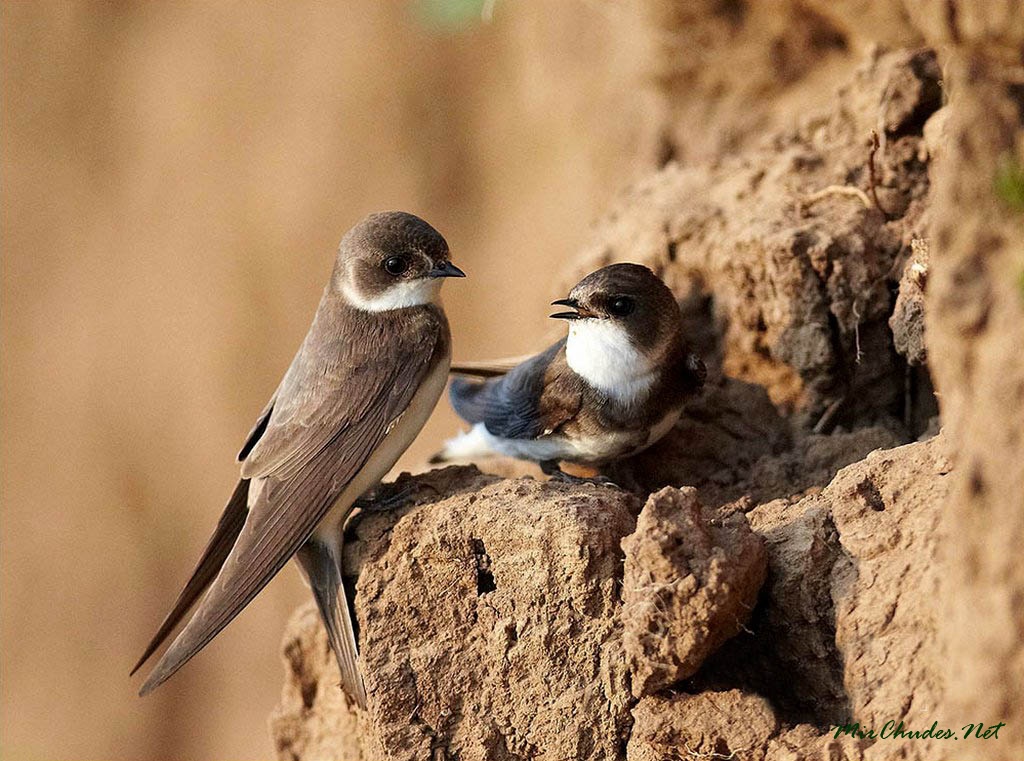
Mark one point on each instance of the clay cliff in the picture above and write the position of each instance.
(830, 535)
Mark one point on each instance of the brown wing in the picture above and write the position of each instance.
(529, 401)
(258, 429)
(328, 417)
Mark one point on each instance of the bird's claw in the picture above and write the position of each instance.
(567, 478)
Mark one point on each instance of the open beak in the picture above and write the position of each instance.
(446, 269)
(574, 315)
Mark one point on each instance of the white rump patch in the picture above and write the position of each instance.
(476, 442)
(601, 352)
(479, 442)
(407, 293)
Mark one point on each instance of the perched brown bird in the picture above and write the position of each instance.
(367, 375)
(612, 388)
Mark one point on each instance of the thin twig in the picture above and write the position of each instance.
(838, 190)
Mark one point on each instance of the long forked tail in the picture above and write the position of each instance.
(220, 544)
(322, 566)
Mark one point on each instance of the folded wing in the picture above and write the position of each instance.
(509, 405)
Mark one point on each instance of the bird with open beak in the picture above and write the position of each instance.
(360, 388)
(614, 386)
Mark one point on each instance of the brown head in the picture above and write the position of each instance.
(392, 260)
(624, 325)
(630, 297)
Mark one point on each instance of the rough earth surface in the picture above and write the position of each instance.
(803, 551)
(690, 581)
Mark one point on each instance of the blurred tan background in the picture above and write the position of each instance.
(175, 178)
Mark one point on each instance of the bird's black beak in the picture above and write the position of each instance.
(574, 315)
(446, 269)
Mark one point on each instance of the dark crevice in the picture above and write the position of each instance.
(925, 66)
(785, 657)
(976, 482)
(309, 691)
(667, 151)
(838, 384)
(733, 11)
(1015, 91)
(484, 577)
(870, 495)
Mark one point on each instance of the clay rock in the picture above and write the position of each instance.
(728, 724)
(715, 444)
(805, 742)
(489, 629)
(975, 332)
(907, 321)
(798, 261)
(732, 444)
(792, 655)
(841, 632)
(725, 724)
(493, 626)
(813, 461)
(690, 583)
(314, 721)
(887, 511)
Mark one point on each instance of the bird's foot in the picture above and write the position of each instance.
(555, 473)
(568, 478)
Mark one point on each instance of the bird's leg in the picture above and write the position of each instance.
(550, 468)
(553, 470)
(624, 477)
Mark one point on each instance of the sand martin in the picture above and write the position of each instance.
(612, 388)
(360, 388)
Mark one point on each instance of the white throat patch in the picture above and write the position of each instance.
(601, 352)
(408, 293)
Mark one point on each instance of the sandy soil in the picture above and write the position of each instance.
(804, 549)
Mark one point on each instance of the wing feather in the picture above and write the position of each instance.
(509, 406)
(258, 429)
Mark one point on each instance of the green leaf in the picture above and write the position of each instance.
(1009, 182)
(452, 15)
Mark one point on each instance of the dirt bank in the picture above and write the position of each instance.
(802, 550)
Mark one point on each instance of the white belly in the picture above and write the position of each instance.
(390, 449)
(479, 442)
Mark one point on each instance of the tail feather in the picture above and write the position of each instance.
(264, 546)
(220, 544)
(322, 567)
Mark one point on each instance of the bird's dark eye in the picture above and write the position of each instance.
(620, 306)
(396, 265)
